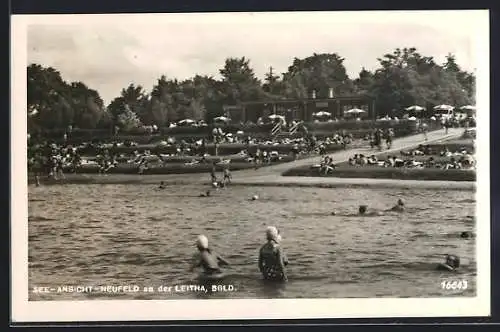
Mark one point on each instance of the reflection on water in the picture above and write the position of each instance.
(135, 235)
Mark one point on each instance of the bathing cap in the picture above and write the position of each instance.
(272, 233)
(202, 242)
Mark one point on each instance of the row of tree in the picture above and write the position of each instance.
(404, 77)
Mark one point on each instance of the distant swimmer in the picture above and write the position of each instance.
(162, 185)
(208, 260)
(466, 235)
(206, 194)
(399, 207)
(451, 264)
(227, 175)
(363, 211)
(272, 258)
(255, 197)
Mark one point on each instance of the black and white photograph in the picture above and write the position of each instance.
(250, 165)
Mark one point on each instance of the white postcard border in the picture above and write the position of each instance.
(151, 310)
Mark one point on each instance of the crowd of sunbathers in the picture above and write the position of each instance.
(444, 159)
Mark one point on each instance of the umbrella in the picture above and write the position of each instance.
(415, 108)
(222, 118)
(443, 107)
(322, 114)
(186, 121)
(468, 108)
(275, 116)
(355, 111)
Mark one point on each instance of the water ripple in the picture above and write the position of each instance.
(126, 233)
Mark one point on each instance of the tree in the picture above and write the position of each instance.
(406, 78)
(239, 82)
(128, 120)
(466, 80)
(55, 104)
(132, 98)
(319, 72)
(363, 85)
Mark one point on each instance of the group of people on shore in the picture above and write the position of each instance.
(377, 136)
(443, 159)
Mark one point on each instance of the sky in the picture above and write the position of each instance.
(108, 52)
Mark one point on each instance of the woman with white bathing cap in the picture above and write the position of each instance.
(208, 259)
(272, 258)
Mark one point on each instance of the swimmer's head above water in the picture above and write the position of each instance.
(362, 209)
(202, 242)
(272, 234)
(400, 202)
(466, 235)
(452, 263)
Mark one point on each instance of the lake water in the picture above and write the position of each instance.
(103, 235)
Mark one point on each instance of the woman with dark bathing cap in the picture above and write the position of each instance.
(466, 235)
(272, 258)
(452, 263)
(399, 207)
(363, 211)
(206, 194)
(208, 260)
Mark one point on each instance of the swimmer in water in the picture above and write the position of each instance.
(162, 185)
(466, 235)
(363, 211)
(452, 263)
(272, 258)
(399, 207)
(206, 194)
(207, 258)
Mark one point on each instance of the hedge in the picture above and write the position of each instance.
(377, 172)
(174, 168)
(223, 149)
(402, 127)
(186, 159)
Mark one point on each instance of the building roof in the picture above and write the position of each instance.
(309, 100)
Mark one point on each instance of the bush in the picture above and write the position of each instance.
(376, 172)
(223, 149)
(174, 168)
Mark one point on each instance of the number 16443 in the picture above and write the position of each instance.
(454, 284)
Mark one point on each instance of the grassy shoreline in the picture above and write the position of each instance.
(374, 172)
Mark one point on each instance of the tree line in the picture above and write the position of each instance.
(403, 78)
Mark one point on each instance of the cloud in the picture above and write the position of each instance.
(111, 51)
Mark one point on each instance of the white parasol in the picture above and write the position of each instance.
(186, 121)
(415, 108)
(222, 118)
(443, 107)
(276, 116)
(322, 114)
(468, 108)
(355, 111)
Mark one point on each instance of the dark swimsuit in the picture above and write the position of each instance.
(270, 254)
